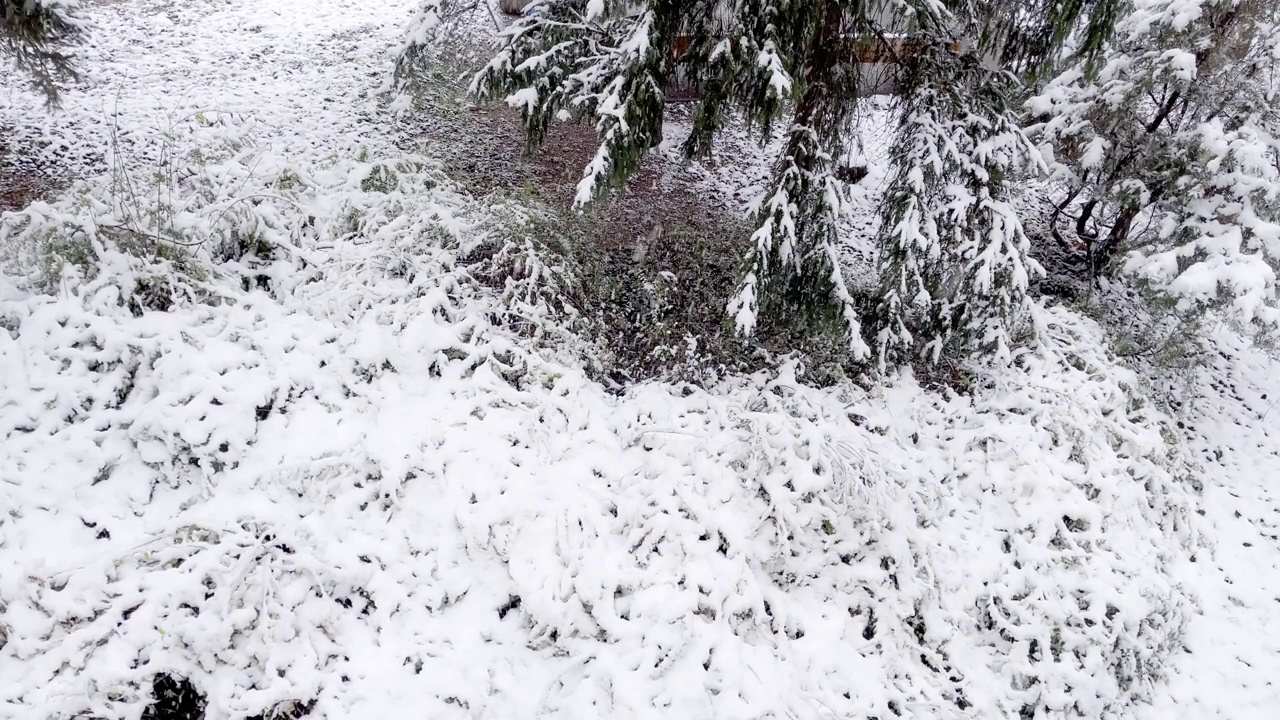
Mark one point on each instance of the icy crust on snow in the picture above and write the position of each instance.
(310, 457)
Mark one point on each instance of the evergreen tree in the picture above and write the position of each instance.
(954, 264)
(1169, 153)
(34, 35)
(953, 255)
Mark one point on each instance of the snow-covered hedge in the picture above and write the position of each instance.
(331, 470)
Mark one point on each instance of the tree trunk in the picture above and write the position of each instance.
(820, 64)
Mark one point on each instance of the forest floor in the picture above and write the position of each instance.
(307, 409)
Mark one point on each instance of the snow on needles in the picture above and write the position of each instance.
(294, 451)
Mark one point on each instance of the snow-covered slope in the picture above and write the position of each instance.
(321, 463)
(1230, 666)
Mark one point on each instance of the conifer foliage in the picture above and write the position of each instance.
(954, 266)
(1168, 154)
(954, 262)
(612, 61)
(34, 36)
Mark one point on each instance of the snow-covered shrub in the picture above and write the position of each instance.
(187, 185)
(153, 410)
(523, 249)
(356, 489)
(282, 521)
(199, 193)
(332, 491)
(915, 563)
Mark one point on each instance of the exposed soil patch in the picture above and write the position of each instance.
(22, 181)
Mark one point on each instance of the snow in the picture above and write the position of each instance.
(1231, 662)
(779, 79)
(1213, 247)
(1094, 153)
(341, 473)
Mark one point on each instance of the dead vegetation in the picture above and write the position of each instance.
(655, 263)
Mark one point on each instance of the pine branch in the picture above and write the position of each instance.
(35, 35)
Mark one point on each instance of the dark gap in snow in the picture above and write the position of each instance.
(174, 698)
(512, 603)
(291, 710)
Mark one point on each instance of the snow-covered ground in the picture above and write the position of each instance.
(1230, 667)
(321, 465)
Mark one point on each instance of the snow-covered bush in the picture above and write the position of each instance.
(199, 193)
(355, 487)
(253, 494)
(358, 491)
(355, 242)
(522, 248)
